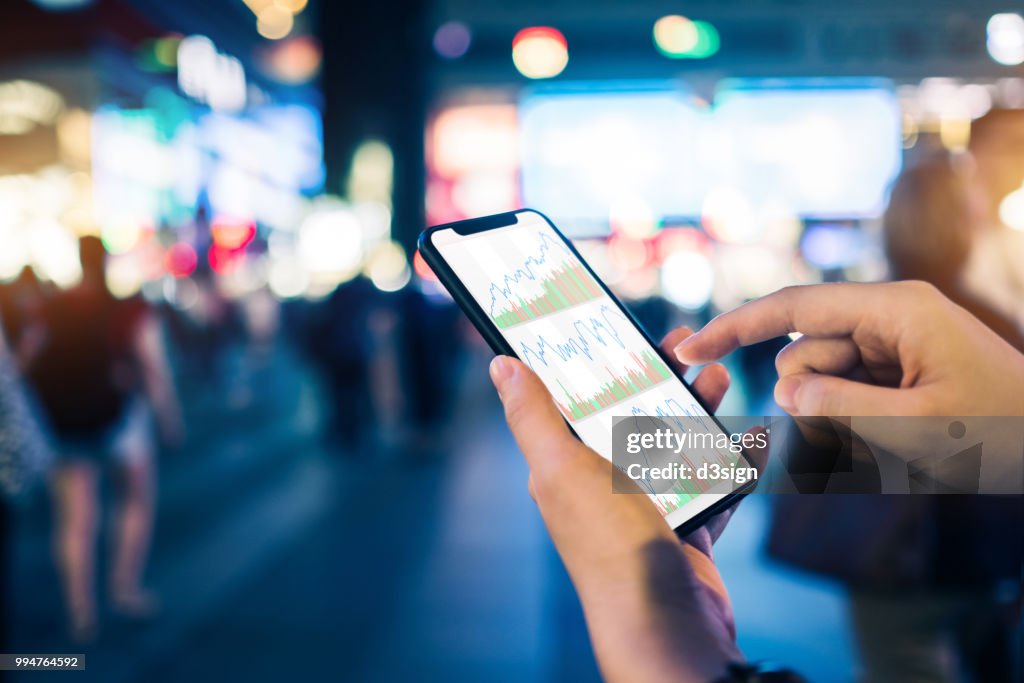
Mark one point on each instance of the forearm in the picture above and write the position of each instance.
(672, 627)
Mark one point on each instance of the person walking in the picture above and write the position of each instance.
(102, 376)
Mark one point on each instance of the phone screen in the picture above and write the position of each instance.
(591, 357)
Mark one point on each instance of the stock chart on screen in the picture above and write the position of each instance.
(561, 323)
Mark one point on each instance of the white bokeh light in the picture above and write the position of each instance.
(687, 279)
(1005, 38)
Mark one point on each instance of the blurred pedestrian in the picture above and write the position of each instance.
(102, 375)
(21, 310)
(207, 330)
(341, 341)
(23, 454)
(430, 389)
(995, 270)
(931, 231)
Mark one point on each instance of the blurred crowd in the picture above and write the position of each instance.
(90, 390)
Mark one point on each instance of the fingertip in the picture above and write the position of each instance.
(711, 384)
(681, 352)
(720, 372)
(501, 369)
(714, 376)
(785, 393)
(688, 351)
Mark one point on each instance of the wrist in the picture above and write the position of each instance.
(641, 634)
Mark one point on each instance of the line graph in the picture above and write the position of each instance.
(648, 371)
(594, 330)
(675, 412)
(555, 285)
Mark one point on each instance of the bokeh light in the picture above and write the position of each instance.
(675, 35)
(181, 260)
(473, 161)
(680, 38)
(165, 50)
(232, 233)
(1005, 38)
(288, 278)
(471, 138)
(687, 279)
(371, 175)
(419, 265)
(331, 244)
(452, 39)
(388, 268)
(122, 235)
(829, 246)
(26, 104)
(210, 76)
(54, 253)
(1011, 209)
(294, 61)
(293, 6)
(274, 22)
(124, 276)
(224, 261)
(540, 52)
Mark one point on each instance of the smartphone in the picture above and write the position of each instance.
(532, 296)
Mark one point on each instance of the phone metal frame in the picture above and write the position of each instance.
(492, 335)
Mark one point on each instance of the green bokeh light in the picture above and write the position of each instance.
(707, 43)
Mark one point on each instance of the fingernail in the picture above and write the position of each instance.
(785, 393)
(680, 348)
(501, 370)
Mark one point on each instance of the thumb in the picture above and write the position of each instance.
(812, 394)
(531, 414)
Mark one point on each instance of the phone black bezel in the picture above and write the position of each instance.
(492, 335)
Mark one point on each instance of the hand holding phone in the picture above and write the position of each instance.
(531, 295)
(642, 590)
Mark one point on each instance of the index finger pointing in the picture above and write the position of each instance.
(831, 310)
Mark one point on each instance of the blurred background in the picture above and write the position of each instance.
(246, 356)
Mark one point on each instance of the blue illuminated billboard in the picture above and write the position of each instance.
(819, 149)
